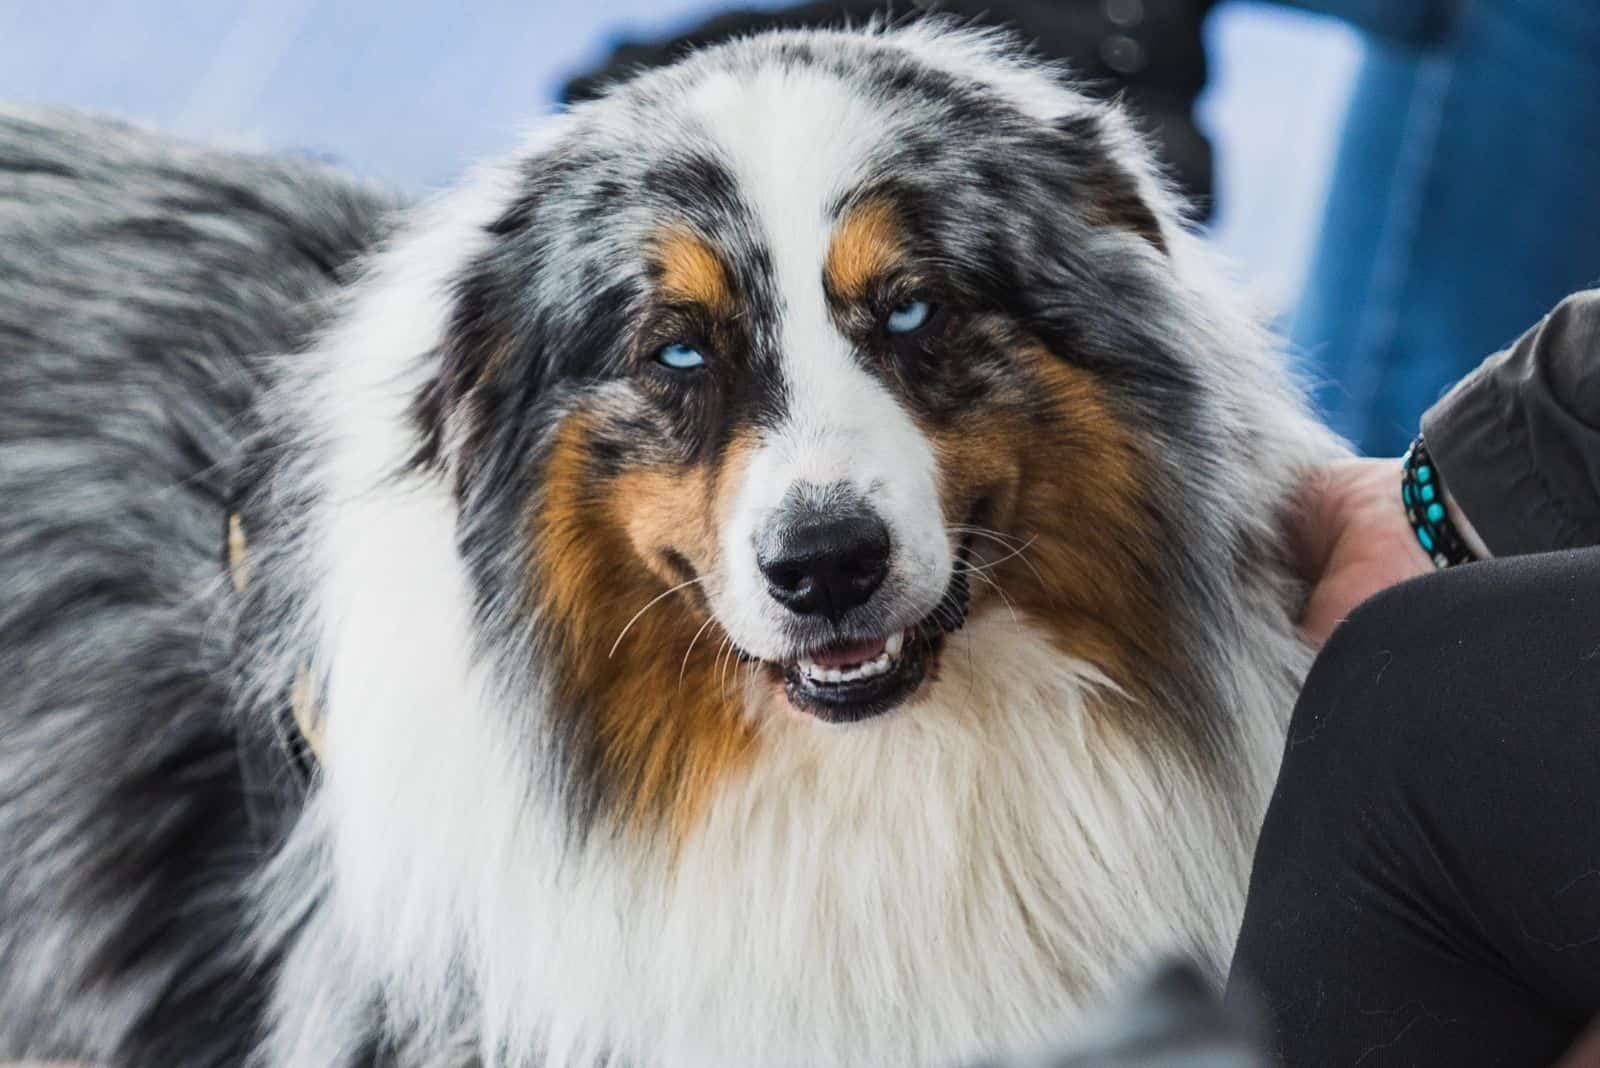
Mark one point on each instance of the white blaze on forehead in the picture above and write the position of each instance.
(795, 140)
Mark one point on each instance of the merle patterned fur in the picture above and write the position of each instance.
(137, 281)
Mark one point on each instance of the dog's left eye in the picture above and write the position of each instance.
(680, 357)
(909, 317)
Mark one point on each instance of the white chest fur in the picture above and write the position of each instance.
(961, 875)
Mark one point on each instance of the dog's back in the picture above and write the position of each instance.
(136, 281)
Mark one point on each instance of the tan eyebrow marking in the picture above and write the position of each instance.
(867, 244)
(692, 272)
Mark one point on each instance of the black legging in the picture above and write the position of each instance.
(1427, 887)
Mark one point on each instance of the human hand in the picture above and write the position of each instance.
(1349, 538)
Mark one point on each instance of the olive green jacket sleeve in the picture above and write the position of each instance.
(1517, 442)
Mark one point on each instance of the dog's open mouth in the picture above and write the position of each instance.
(857, 679)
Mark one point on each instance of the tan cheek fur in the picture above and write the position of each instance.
(665, 707)
(1072, 492)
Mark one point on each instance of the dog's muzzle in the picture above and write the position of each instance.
(825, 555)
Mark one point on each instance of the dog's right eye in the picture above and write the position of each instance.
(680, 357)
(908, 317)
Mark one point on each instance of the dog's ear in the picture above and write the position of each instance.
(532, 305)
(480, 338)
(1107, 166)
(454, 395)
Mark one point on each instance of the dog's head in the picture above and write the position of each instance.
(780, 366)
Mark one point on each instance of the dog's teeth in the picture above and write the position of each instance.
(891, 648)
(878, 665)
(871, 669)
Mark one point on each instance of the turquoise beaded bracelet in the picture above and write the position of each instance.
(1422, 492)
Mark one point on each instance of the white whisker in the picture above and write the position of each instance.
(1008, 540)
(653, 601)
(1016, 546)
(685, 667)
(975, 573)
(722, 664)
(1017, 552)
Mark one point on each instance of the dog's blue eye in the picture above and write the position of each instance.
(908, 317)
(680, 357)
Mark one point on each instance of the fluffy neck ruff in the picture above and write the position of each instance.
(958, 877)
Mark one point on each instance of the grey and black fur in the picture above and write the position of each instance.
(139, 281)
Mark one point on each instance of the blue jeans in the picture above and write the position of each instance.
(1465, 201)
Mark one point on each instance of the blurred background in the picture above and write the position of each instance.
(1404, 184)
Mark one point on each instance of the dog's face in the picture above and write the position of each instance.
(782, 366)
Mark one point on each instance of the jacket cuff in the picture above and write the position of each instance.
(1484, 464)
(1503, 441)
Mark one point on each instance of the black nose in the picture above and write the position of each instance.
(827, 565)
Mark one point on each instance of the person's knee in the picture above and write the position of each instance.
(1349, 693)
(1359, 726)
(1375, 624)
(1470, 616)
(1426, 671)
